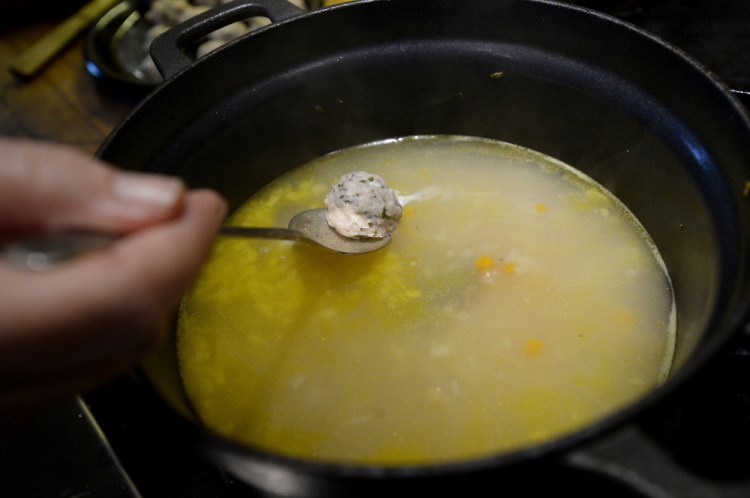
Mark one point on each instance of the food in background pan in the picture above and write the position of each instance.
(165, 14)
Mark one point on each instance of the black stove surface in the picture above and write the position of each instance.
(705, 430)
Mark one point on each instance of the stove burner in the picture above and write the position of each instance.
(708, 425)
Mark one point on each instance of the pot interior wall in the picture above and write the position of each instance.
(300, 90)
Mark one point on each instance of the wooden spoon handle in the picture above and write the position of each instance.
(30, 61)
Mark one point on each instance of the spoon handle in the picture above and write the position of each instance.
(260, 233)
(42, 251)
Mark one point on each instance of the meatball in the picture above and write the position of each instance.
(362, 205)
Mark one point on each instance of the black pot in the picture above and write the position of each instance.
(627, 109)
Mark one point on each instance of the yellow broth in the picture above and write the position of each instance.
(518, 301)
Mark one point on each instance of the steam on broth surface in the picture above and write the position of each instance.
(517, 302)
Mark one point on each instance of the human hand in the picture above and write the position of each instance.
(68, 329)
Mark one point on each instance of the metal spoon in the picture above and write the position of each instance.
(311, 226)
(42, 251)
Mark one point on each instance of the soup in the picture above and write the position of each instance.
(518, 301)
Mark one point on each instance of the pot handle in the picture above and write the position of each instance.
(693, 444)
(167, 49)
(634, 460)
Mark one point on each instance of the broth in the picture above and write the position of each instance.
(517, 302)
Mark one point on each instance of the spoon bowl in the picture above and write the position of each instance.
(314, 225)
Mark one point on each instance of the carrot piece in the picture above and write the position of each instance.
(483, 263)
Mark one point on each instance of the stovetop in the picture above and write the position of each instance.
(104, 445)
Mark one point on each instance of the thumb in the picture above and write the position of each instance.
(45, 186)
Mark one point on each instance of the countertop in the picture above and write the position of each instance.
(61, 103)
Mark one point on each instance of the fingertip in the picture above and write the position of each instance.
(156, 191)
(136, 200)
(213, 202)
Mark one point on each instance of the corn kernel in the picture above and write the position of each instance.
(541, 208)
(533, 347)
(509, 268)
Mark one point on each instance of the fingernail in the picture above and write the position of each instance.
(147, 189)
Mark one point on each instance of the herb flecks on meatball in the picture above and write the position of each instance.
(362, 205)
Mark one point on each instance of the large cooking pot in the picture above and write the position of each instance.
(624, 107)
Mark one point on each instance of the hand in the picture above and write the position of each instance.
(70, 328)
